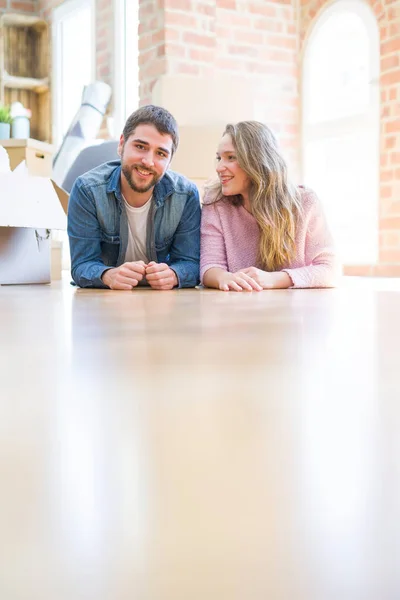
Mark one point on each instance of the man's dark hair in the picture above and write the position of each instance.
(162, 120)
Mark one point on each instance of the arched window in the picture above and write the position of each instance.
(341, 125)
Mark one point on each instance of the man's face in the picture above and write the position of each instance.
(145, 156)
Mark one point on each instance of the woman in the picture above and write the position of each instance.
(258, 231)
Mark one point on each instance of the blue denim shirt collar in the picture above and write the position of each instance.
(162, 189)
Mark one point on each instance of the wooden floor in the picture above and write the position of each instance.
(200, 445)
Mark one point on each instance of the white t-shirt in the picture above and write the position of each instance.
(137, 228)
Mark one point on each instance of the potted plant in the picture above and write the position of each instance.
(5, 122)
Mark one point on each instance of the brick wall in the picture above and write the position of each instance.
(387, 13)
(152, 46)
(23, 6)
(254, 39)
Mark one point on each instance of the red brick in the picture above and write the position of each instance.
(395, 158)
(386, 271)
(394, 29)
(386, 191)
(243, 50)
(248, 37)
(181, 19)
(282, 41)
(393, 13)
(23, 6)
(154, 69)
(389, 62)
(198, 55)
(391, 77)
(358, 270)
(269, 25)
(187, 69)
(146, 10)
(229, 64)
(104, 71)
(392, 126)
(179, 4)
(157, 37)
(390, 46)
(161, 50)
(205, 9)
(229, 4)
(392, 94)
(198, 40)
(389, 224)
(174, 50)
(262, 8)
(277, 56)
(206, 71)
(223, 32)
(171, 35)
(379, 10)
(387, 176)
(101, 46)
(147, 56)
(389, 256)
(390, 207)
(236, 19)
(149, 26)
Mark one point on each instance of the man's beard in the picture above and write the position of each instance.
(146, 186)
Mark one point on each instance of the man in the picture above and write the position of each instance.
(132, 222)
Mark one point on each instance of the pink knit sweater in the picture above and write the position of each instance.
(230, 237)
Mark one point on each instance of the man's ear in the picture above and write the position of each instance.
(121, 145)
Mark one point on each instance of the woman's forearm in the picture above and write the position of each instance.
(212, 277)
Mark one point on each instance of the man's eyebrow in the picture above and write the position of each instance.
(164, 150)
(144, 143)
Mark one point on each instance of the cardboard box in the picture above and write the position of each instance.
(29, 208)
(38, 156)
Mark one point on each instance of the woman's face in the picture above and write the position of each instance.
(233, 179)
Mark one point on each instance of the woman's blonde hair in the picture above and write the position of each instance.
(274, 202)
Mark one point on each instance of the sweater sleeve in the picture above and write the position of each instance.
(322, 268)
(212, 243)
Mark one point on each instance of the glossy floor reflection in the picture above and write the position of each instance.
(200, 445)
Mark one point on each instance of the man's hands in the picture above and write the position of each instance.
(128, 275)
(160, 276)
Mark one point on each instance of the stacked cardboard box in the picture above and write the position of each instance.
(30, 207)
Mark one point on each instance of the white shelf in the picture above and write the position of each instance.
(21, 20)
(26, 83)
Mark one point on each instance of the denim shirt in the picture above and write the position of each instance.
(98, 226)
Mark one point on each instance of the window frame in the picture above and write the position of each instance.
(59, 15)
(120, 113)
(341, 126)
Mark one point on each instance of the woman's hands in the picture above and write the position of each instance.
(253, 279)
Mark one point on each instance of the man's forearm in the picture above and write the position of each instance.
(187, 272)
(89, 274)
